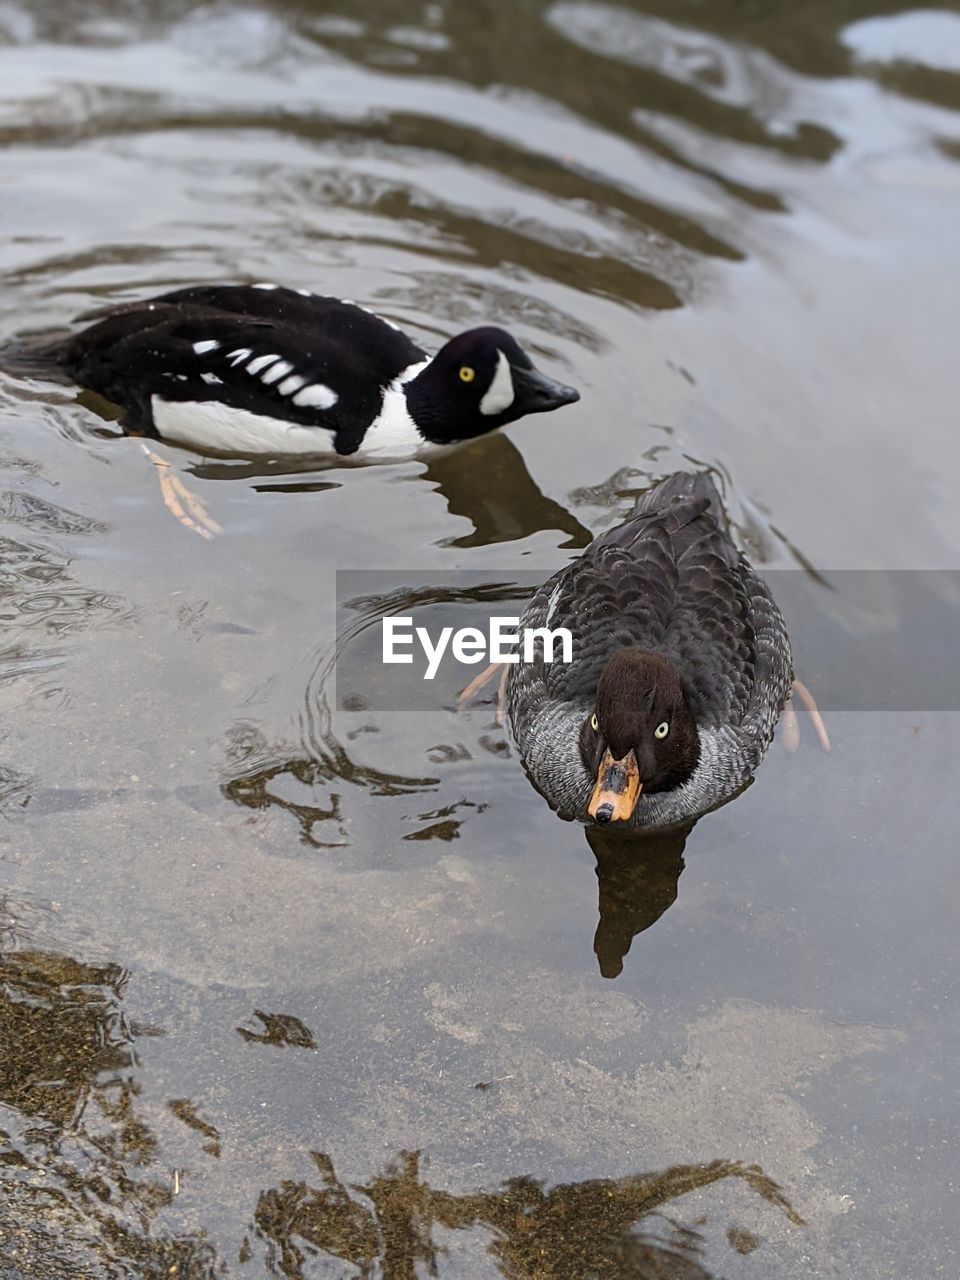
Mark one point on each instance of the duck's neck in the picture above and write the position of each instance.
(397, 425)
(413, 388)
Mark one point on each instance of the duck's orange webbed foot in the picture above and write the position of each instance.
(177, 498)
(791, 725)
(484, 678)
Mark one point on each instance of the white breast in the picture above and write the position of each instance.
(393, 432)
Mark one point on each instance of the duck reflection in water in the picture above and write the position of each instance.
(485, 481)
(488, 483)
(608, 1228)
(637, 880)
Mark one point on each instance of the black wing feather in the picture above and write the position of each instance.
(144, 349)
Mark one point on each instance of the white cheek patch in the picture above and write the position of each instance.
(499, 395)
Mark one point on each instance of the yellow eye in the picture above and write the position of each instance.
(594, 723)
(466, 373)
(662, 729)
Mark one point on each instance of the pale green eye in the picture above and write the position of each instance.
(594, 722)
(662, 729)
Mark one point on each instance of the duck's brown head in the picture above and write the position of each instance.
(641, 736)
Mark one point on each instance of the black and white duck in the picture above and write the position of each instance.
(681, 668)
(248, 370)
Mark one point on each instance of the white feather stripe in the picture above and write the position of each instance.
(279, 370)
(238, 356)
(201, 348)
(291, 384)
(261, 362)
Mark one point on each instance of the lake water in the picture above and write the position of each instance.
(306, 986)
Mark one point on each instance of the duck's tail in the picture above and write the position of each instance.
(682, 487)
(37, 355)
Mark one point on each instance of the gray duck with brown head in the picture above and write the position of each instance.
(681, 667)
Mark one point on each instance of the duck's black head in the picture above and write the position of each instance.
(641, 736)
(480, 380)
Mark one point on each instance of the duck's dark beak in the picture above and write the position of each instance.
(539, 394)
(618, 788)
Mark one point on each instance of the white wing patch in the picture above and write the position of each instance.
(499, 394)
(278, 371)
(201, 348)
(291, 384)
(261, 362)
(316, 396)
(271, 369)
(216, 427)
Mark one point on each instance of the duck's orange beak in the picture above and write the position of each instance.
(618, 787)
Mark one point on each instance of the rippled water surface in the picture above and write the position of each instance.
(306, 988)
